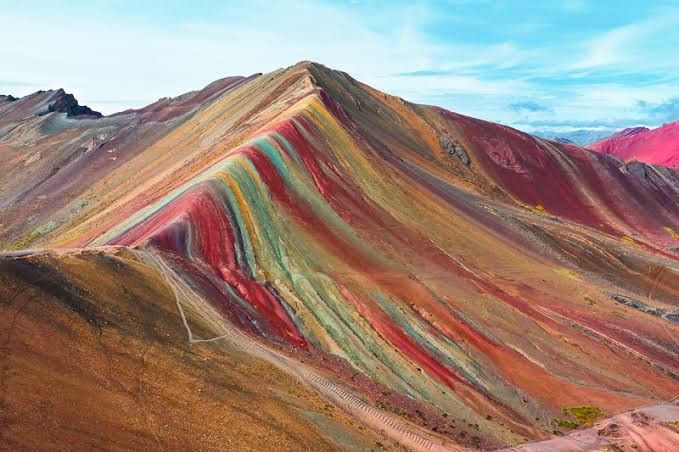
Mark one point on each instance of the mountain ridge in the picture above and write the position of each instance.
(659, 146)
(43, 102)
(444, 259)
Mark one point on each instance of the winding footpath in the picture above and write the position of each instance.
(387, 424)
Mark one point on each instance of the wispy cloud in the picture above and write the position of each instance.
(610, 48)
(665, 111)
(574, 5)
(636, 41)
(425, 73)
(528, 106)
(18, 83)
(572, 124)
(517, 71)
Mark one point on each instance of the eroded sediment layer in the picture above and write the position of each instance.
(459, 264)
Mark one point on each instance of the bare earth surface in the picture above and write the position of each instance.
(296, 261)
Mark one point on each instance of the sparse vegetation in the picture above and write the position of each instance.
(585, 414)
(671, 232)
(627, 239)
(672, 425)
(565, 423)
(567, 273)
(476, 441)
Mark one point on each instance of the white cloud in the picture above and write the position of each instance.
(609, 48)
(631, 43)
(111, 64)
(573, 5)
(104, 62)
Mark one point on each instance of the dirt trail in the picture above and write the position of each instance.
(650, 428)
(389, 425)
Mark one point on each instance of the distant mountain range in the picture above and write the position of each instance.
(580, 137)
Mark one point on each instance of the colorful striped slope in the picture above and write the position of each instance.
(468, 284)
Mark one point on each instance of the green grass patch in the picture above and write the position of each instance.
(565, 423)
(585, 415)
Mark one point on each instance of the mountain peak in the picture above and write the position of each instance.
(658, 146)
(43, 102)
(7, 98)
(630, 131)
(63, 102)
(308, 64)
(318, 71)
(401, 260)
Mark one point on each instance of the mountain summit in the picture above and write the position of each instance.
(326, 256)
(657, 147)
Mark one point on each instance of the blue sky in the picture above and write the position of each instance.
(555, 65)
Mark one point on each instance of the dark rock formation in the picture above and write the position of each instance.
(67, 103)
(453, 148)
(637, 169)
(643, 307)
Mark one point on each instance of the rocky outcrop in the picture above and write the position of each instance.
(67, 103)
(643, 307)
(455, 149)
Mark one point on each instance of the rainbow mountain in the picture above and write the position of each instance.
(659, 146)
(298, 260)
